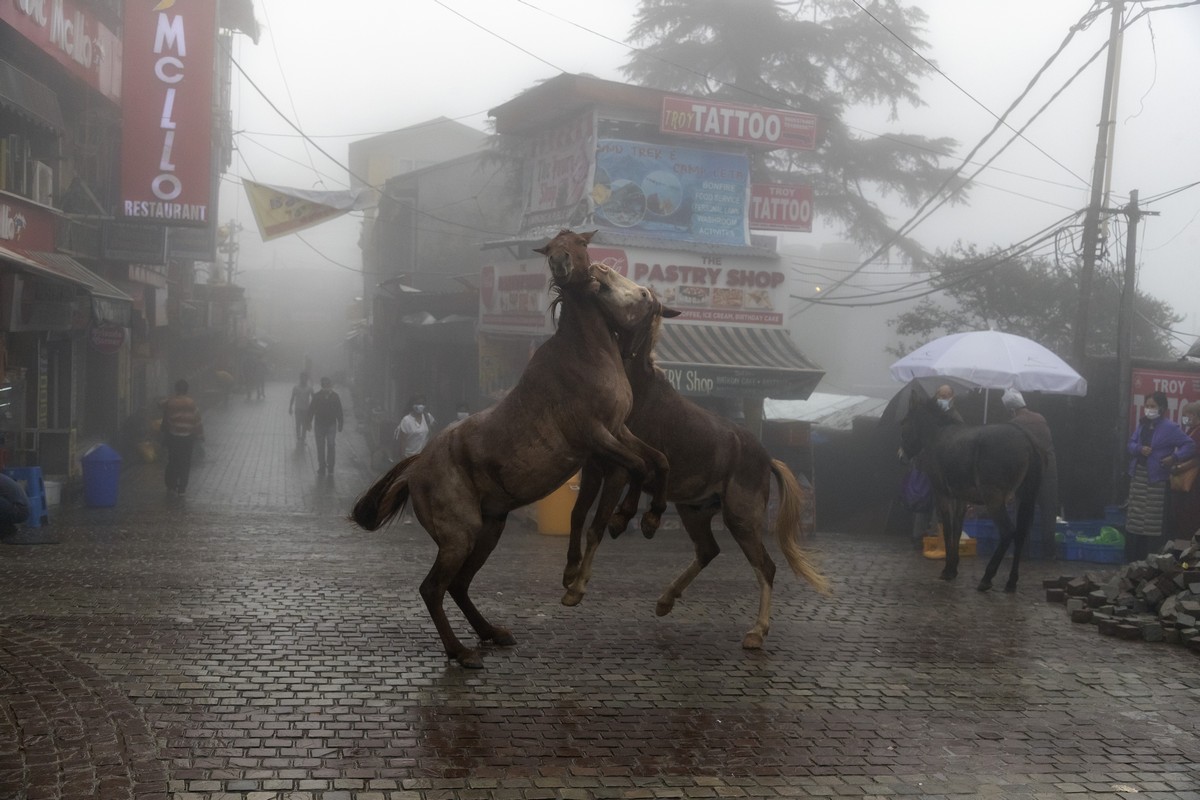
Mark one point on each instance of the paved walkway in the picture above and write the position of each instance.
(248, 642)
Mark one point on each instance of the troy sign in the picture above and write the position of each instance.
(781, 207)
(732, 122)
(166, 151)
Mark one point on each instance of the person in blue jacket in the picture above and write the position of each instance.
(1156, 445)
(14, 506)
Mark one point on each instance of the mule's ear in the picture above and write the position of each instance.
(587, 237)
(542, 250)
(668, 312)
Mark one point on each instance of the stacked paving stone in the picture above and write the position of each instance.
(1155, 600)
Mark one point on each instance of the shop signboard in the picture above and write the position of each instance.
(25, 225)
(781, 207)
(672, 193)
(709, 289)
(107, 337)
(123, 241)
(1179, 386)
(514, 298)
(166, 141)
(562, 162)
(72, 36)
(734, 122)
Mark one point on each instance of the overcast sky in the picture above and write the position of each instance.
(346, 71)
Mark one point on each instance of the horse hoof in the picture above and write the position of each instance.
(752, 641)
(948, 576)
(470, 659)
(650, 523)
(617, 525)
(503, 638)
(1010, 588)
(984, 586)
(572, 598)
(664, 606)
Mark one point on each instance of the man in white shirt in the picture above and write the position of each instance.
(413, 431)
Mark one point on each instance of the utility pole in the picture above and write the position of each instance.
(229, 246)
(1125, 323)
(1091, 220)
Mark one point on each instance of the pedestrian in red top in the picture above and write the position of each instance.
(181, 429)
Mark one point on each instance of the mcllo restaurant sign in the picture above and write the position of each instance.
(166, 150)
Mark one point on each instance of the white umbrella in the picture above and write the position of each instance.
(992, 360)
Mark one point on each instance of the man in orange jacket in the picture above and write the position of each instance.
(181, 429)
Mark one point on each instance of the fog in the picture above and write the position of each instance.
(383, 66)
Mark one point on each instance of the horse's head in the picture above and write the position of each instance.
(626, 305)
(637, 343)
(567, 255)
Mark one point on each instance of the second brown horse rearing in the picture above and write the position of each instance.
(569, 404)
(716, 467)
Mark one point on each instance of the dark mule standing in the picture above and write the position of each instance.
(716, 467)
(979, 464)
(570, 403)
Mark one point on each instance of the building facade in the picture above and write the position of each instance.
(92, 278)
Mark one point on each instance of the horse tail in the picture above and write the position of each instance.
(789, 526)
(385, 499)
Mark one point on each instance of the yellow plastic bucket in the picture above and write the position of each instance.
(554, 510)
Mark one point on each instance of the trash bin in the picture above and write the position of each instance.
(554, 510)
(101, 474)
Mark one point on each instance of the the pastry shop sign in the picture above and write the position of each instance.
(107, 337)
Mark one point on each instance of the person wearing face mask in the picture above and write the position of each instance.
(461, 413)
(1157, 444)
(1186, 501)
(945, 402)
(413, 431)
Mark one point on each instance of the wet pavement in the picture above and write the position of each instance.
(248, 642)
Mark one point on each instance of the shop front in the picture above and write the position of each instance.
(52, 310)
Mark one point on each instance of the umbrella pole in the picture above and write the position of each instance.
(986, 394)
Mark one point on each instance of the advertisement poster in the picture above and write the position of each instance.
(514, 298)
(672, 192)
(562, 171)
(1180, 388)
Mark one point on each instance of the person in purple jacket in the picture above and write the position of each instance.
(1155, 446)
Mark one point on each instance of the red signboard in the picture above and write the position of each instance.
(733, 122)
(67, 31)
(25, 225)
(1180, 388)
(781, 207)
(166, 151)
(107, 337)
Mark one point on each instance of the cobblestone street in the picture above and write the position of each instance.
(247, 641)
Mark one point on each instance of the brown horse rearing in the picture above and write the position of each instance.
(570, 404)
(716, 467)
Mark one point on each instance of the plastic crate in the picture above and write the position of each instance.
(983, 530)
(1114, 516)
(1095, 553)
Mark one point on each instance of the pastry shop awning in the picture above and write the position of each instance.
(711, 360)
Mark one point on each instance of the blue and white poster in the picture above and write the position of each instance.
(672, 192)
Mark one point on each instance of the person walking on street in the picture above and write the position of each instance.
(302, 395)
(1185, 483)
(1157, 445)
(1034, 426)
(181, 429)
(325, 411)
(413, 431)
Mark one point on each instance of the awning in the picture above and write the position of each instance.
(29, 97)
(109, 304)
(709, 360)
